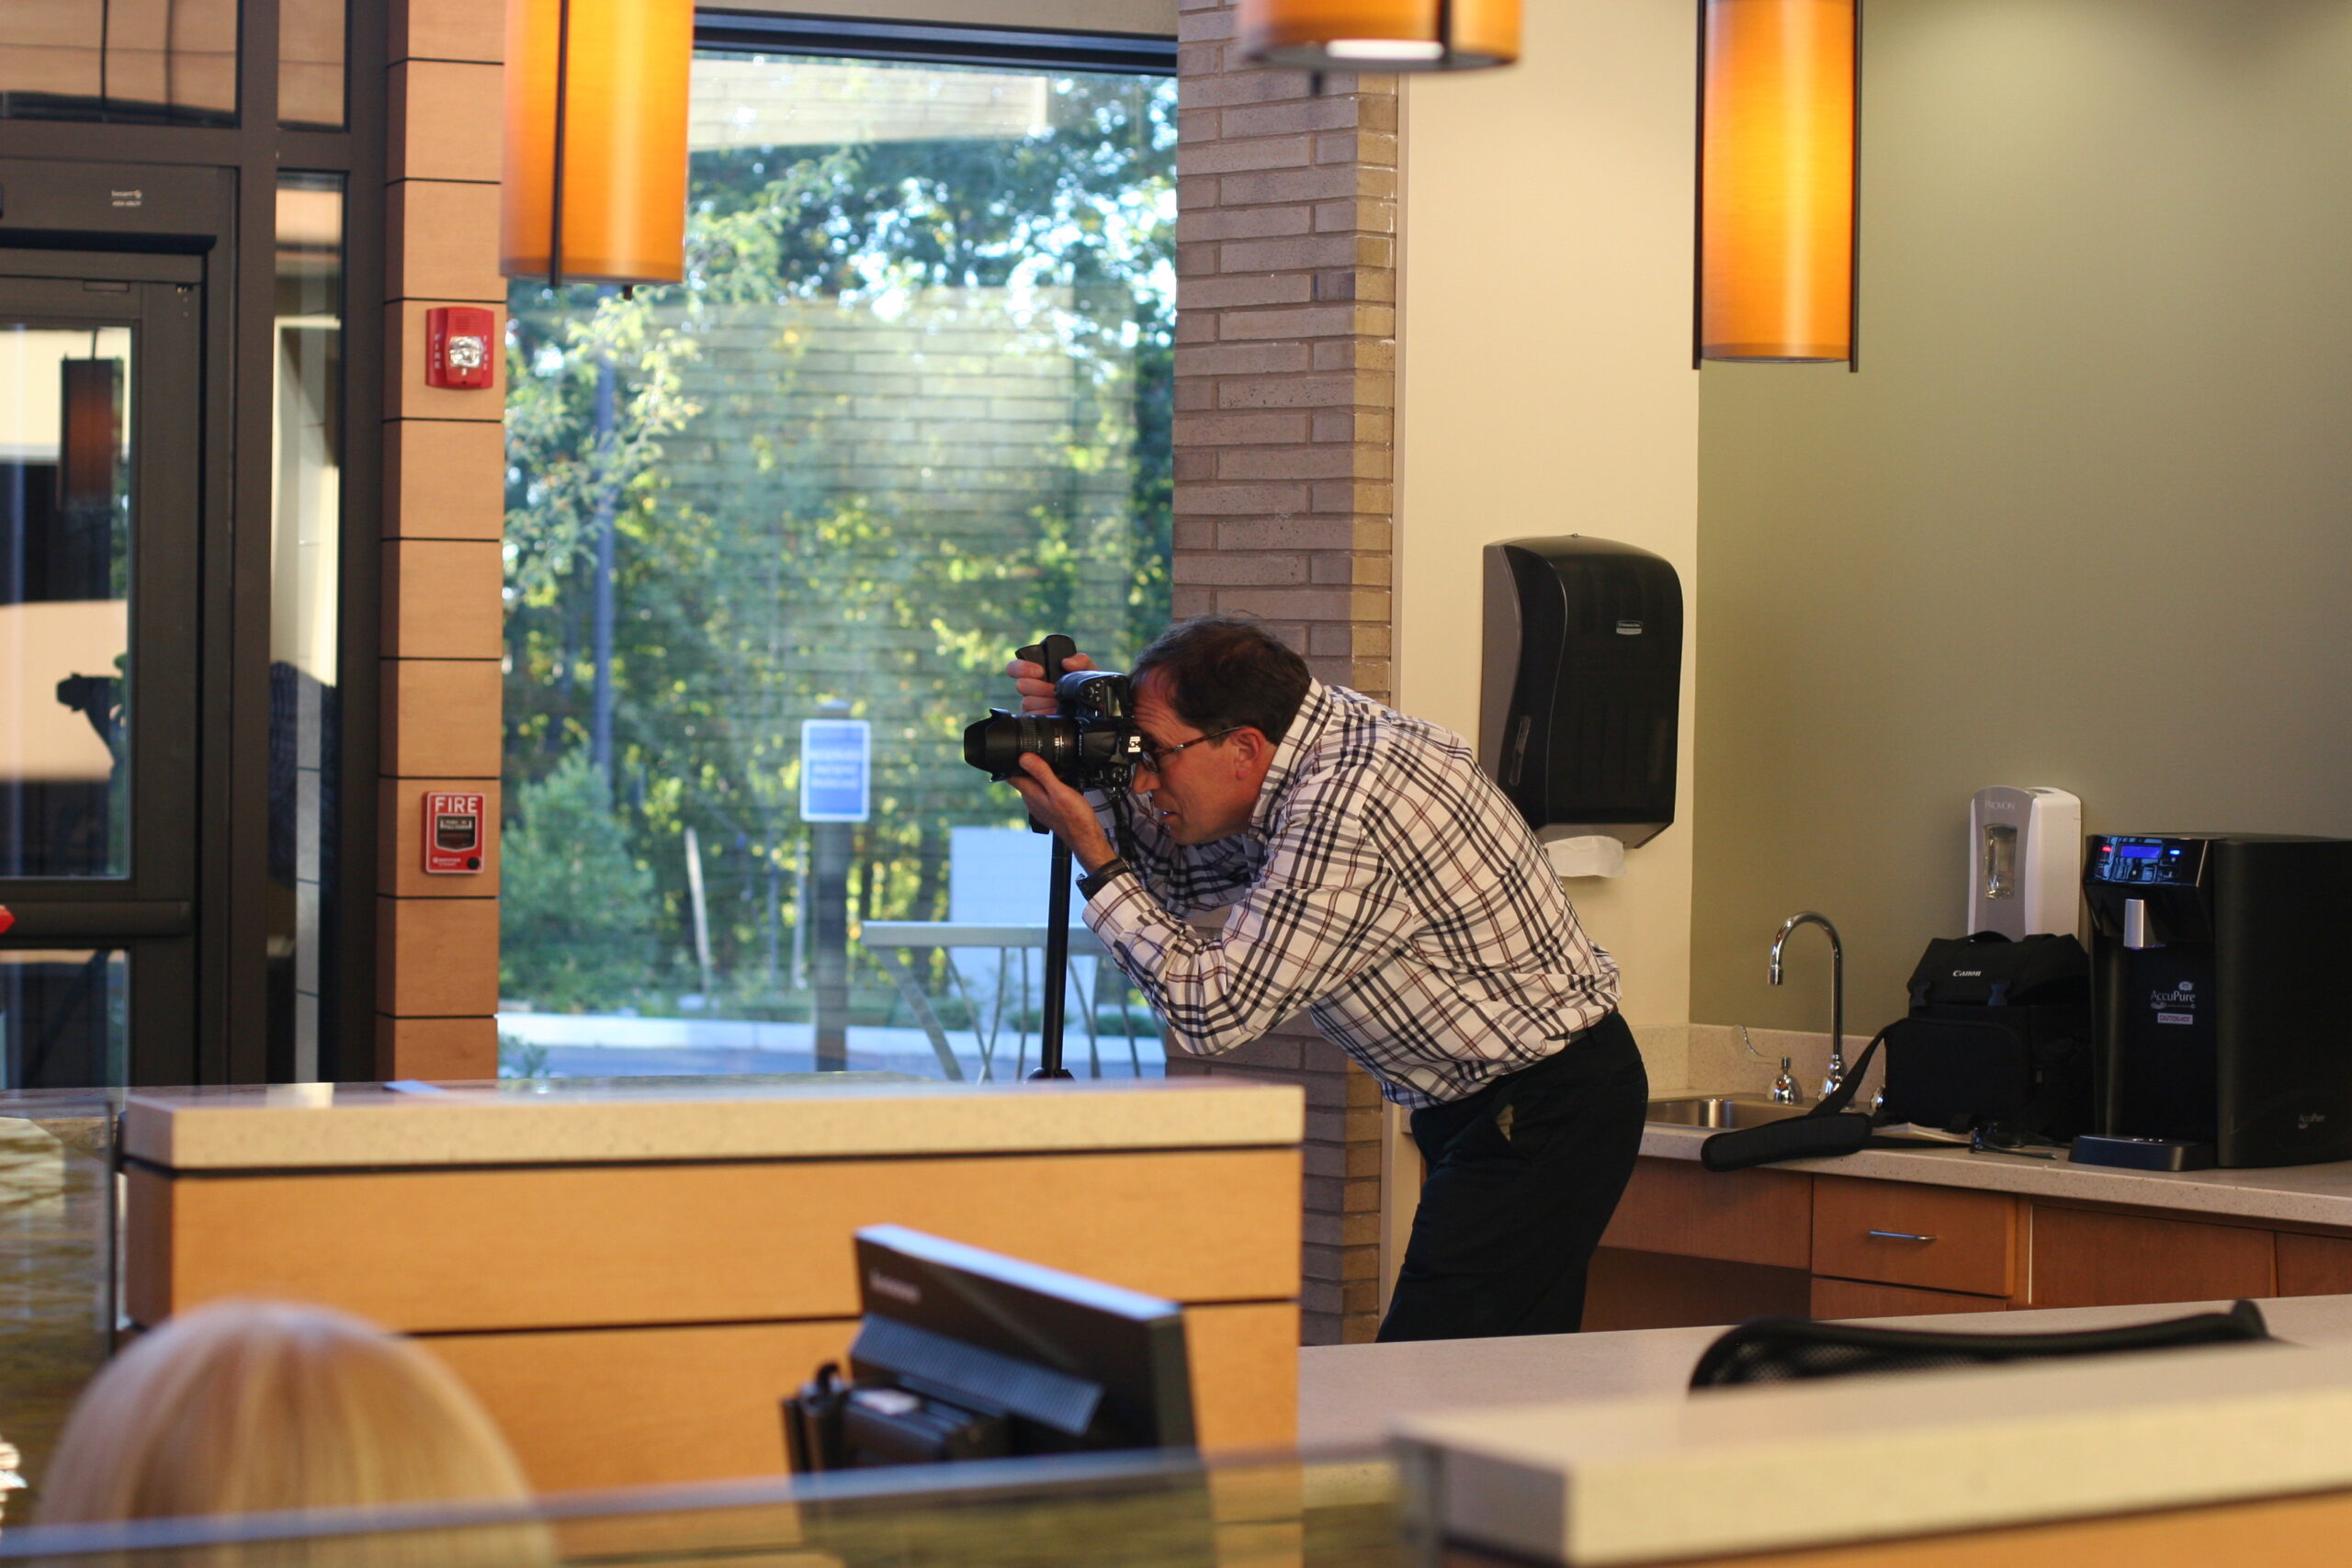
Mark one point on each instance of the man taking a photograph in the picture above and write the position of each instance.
(1376, 880)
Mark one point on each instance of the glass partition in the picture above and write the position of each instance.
(306, 578)
(65, 609)
(64, 1017)
(908, 411)
(1108, 1512)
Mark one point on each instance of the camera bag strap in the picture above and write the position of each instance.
(1829, 1129)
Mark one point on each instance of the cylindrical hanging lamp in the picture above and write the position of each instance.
(1778, 161)
(1380, 35)
(89, 433)
(597, 139)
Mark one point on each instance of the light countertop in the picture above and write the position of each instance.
(1589, 1449)
(1710, 1059)
(1351, 1396)
(319, 1126)
(2299, 1194)
(1751, 1470)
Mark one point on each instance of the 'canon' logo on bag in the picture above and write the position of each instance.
(1967, 973)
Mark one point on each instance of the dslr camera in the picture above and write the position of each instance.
(1090, 740)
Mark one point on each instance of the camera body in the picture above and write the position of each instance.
(1090, 740)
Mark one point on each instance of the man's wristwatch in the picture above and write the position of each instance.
(1094, 882)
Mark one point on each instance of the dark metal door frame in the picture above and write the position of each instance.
(212, 190)
(211, 216)
(149, 913)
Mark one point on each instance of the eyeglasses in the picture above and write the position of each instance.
(1155, 757)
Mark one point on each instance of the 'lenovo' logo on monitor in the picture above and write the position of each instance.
(896, 1289)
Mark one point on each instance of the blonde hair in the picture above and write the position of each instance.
(245, 1406)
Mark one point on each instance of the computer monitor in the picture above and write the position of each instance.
(969, 1354)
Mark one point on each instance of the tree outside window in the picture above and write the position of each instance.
(909, 409)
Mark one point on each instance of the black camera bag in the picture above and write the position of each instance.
(1998, 1035)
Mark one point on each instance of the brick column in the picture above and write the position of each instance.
(444, 519)
(1285, 388)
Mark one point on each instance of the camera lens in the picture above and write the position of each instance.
(995, 744)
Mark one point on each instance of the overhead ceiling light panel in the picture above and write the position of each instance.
(596, 187)
(1380, 35)
(1779, 99)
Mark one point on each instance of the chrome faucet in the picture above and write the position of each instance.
(1836, 1075)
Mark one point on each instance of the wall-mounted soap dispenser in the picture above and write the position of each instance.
(1583, 686)
(2025, 848)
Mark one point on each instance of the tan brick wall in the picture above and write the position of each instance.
(1285, 392)
(444, 465)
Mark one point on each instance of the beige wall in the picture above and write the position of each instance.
(1546, 385)
(2084, 518)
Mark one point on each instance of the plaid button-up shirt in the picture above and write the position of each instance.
(1383, 886)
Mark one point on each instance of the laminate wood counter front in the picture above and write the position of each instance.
(1945, 1230)
(633, 1276)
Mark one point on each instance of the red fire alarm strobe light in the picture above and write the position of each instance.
(458, 345)
(453, 833)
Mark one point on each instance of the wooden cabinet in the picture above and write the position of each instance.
(1854, 1298)
(2315, 1265)
(1656, 1289)
(1938, 1239)
(1680, 1208)
(2096, 1258)
(1691, 1246)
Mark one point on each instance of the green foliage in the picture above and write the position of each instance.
(560, 466)
(521, 1059)
(909, 409)
(576, 918)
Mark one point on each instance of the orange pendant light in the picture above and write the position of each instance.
(1380, 35)
(597, 139)
(89, 431)
(1780, 100)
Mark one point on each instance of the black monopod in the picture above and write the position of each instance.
(1048, 655)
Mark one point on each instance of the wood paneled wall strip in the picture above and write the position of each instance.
(444, 519)
(1285, 393)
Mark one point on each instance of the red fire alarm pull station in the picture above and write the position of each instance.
(458, 345)
(453, 831)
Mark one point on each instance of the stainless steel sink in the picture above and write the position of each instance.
(1723, 1111)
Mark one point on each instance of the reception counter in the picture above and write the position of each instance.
(1589, 1449)
(633, 1276)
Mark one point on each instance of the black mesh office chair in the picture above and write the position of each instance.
(1784, 1349)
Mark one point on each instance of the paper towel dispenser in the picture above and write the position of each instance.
(1582, 686)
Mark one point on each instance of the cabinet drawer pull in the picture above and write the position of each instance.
(1898, 1235)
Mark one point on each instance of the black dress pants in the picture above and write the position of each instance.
(1522, 1179)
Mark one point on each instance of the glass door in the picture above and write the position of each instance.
(100, 394)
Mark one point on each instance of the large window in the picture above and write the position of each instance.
(909, 409)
